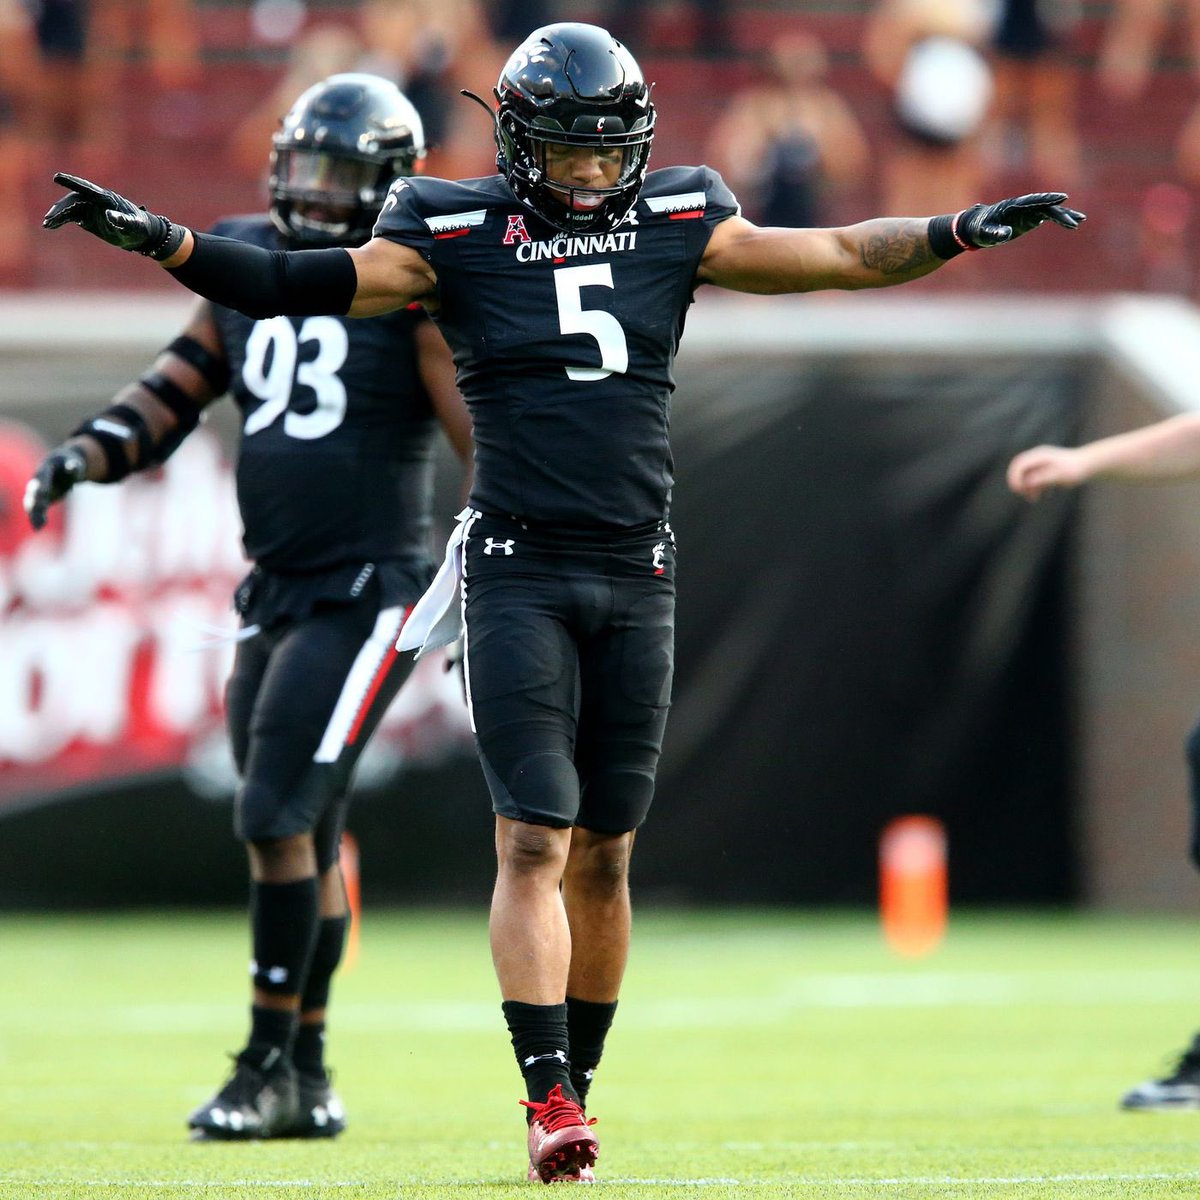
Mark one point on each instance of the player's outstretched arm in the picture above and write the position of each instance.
(436, 368)
(1168, 449)
(260, 283)
(145, 423)
(877, 253)
(113, 219)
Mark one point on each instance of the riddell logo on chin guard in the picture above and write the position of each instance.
(516, 231)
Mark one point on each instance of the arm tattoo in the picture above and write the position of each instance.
(896, 247)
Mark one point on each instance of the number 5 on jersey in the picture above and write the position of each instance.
(603, 326)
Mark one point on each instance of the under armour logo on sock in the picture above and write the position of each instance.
(558, 1056)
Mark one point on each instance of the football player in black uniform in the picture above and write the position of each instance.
(334, 484)
(561, 284)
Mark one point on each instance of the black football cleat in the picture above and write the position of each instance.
(1178, 1090)
(320, 1113)
(259, 1100)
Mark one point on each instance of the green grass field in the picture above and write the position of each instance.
(761, 1054)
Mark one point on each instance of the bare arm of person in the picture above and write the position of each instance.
(372, 279)
(145, 422)
(388, 276)
(877, 253)
(437, 374)
(749, 258)
(1168, 449)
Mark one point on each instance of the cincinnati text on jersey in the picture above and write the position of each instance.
(568, 247)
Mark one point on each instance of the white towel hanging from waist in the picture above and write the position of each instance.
(436, 619)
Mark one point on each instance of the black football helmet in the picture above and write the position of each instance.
(336, 152)
(574, 85)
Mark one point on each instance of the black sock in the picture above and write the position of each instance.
(272, 1031)
(308, 1053)
(588, 1023)
(327, 954)
(539, 1038)
(283, 920)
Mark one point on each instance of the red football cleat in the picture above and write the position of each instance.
(583, 1175)
(562, 1147)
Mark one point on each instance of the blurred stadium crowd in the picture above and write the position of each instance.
(817, 111)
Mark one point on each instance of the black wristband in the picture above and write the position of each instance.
(130, 416)
(184, 408)
(943, 236)
(166, 243)
(212, 366)
(113, 437)
(268, 283)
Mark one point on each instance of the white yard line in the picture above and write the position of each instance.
(807, 1181)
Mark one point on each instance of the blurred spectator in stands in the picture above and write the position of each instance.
(512, 21)
(1135, 31)
(166, 33)
(1187, 164)
(432, 49)
(323, 51)
(927, 53)
(63, 66)
(706, 29)
(786, 142)
(1164, 239)
(19, 91)
(1034, 126)
(75, 82)
(85, 49)
(1187, 150)
(428, 48)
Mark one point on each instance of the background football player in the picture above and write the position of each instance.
(562, 284)
(1167, 449)
(334, 484)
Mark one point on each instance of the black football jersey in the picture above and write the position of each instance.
(564, 343)
(336, 456)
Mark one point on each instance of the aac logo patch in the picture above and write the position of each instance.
(516, 231)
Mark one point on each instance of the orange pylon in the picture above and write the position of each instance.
(348, 861)
(913, 884)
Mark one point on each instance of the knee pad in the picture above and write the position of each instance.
(261, 815)
(616, 801)
(540, 789)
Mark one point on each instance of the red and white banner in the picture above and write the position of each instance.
(116, 632)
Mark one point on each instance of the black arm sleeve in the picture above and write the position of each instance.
(269, 283)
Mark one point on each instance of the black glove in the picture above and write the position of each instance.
(61, 470)
(112, 219)
(992, 224)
